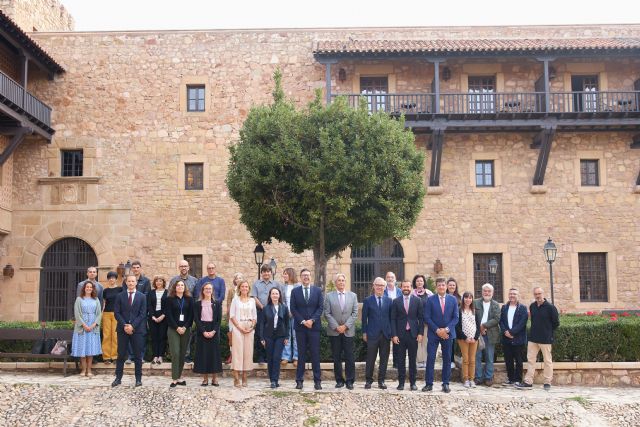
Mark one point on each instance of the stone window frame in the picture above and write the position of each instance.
(488, 248)
(187, 81)
(62, 162)
(497, 171)
(191, 159)
(602, 170)
(612, 276)
(192, 250)
(194, 186)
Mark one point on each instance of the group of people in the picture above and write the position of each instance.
(282, 321)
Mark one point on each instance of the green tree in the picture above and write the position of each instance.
(325, 177)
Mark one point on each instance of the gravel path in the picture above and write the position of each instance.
(30, 399)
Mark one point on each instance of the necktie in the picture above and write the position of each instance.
(406, 308)
(379, 303)
(306, 294)
(130, 298)
(341, 298)
(442, 304)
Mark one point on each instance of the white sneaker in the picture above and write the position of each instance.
(472, 384)
(422, 365)
(467, 384)
(453, 365)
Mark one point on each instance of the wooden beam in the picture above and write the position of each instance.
(437, 141)
(13, 144)
(543, 139)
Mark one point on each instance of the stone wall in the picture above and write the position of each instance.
(121, 101)
(38, 15)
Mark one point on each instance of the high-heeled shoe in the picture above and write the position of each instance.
(204, 383)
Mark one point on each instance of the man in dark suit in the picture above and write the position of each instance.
(306, 307)
(376, 332)
(407, 319)
(130, 312)
(441, 316)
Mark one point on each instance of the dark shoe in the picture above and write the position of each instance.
(204, 384)
(367, 386)
(414, 387)
(116, 383)
(339, 384)
(273, 384)
(445, 388)
(299, 385)
(427, 388)
(400, 386)
(524, 386)
(488, 383)
(547, 387)
(349, 386)
(382, 386)
(181, 383)
(317, 385)
(188, 360)
(138, 383)
(478, 381)
(277, 384)
(215, 384)
(172, 385)
(508, 383)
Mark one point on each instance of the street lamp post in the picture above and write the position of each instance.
(550, 252)
(258, 254)
(273, 266)
(493, 269)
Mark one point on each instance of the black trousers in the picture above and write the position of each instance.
(259, 350)
(513, 358)
(377, 345)
(158, 332)
(308, 340)
(137, 344)
(343, 345)
(408, 344)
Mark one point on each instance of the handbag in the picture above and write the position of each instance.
(39, 346)
(60, 348)
(481, 343)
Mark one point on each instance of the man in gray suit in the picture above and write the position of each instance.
(341, 311)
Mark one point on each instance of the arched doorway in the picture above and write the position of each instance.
(64, 264)
(370, 261)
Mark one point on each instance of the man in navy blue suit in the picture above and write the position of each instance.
(441, 317)
(376, 332)
(307, 303)
(130, 312)
(406, 328)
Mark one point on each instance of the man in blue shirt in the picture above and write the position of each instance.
(217, 282)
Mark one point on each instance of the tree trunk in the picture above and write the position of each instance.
(319, 267)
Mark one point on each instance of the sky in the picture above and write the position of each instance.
(111, 15)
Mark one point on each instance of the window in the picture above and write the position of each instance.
(195, 265)
(482, 94)
(370, 261)
(375, 86)
(484, 173)
(195, 98)
(193, 176)
(589, 173)
(585, 93)
(592, 267)
(71, 163)
(482, 275)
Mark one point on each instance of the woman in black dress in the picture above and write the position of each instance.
(207, 314)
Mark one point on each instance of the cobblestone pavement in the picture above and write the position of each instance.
(39, 399)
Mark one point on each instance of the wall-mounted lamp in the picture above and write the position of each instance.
(342, 75)
(437, 267)
(446, 74)
(8, 271)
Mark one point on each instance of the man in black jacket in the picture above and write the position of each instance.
(544, 320)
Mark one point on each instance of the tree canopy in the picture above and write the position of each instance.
(325, 177)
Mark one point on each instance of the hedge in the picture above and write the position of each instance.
(580, 338)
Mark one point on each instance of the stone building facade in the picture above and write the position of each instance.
(123, 101)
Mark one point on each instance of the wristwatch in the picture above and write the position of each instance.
(447, 329)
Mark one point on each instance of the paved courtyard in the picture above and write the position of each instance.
(37, 399)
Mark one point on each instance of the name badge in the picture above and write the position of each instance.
(181, 318)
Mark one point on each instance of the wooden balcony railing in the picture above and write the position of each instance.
(520, 103)
(20, 100)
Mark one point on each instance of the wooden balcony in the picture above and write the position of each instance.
(19, 107)
(518, 109)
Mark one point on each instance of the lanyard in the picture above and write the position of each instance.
(181, 304)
